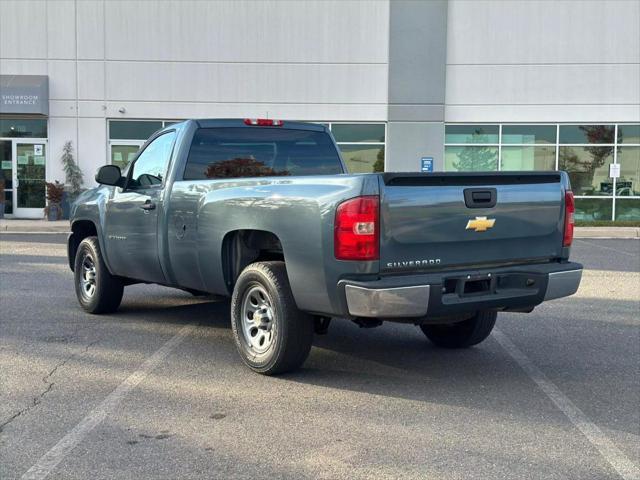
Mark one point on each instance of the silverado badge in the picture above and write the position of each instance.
(480, 224)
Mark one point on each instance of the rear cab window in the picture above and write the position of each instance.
(238, 152)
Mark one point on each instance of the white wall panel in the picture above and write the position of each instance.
(248, 31)
(23, 67)
(297, 111)
(91, 81)
(62, 79)
(62, 108)
(91, 108)
(60, 28)
(60, 131)
(91, 148)
(543, 84)
(542, 113)
(90, 29)
(23, 29)
(540, 31)
(278, 83)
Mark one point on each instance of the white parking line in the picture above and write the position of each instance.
(53, 457)
(612, 454)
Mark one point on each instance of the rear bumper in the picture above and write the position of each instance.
(456, 292)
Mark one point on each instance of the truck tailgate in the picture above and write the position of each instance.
(464, 219)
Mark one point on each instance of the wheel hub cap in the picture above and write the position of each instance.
(88, 277)
(257, 319)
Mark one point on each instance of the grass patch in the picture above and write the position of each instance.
(608, 223)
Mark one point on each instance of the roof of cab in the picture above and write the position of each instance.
(239, 122)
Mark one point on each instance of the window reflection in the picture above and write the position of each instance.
(629, 182)
(471, 133)
(628, 209)
(588, 169)
(363, 158)
(150, 167)
(587, 133)
(593, 209)
(528, 158)
(471, 159)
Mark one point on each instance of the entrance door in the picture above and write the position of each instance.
(6, 176)
(29, 169)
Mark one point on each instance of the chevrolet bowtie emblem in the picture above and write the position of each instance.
(480, 224)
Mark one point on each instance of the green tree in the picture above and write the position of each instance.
(73, 175)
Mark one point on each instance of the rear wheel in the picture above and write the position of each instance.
(97, 290)
(271, 334)
(462, 334)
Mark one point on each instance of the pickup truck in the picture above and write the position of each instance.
(263, 211)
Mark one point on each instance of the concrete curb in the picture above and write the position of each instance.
(34, 226)
(62, 226)
(607, 232)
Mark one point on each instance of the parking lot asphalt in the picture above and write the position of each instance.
(157, 390)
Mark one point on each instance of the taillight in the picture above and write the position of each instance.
(569, 221)
(263, 122)
(356, 235)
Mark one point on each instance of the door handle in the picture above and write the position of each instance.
(148, 205)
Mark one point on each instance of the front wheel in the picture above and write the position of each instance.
(462, 334)
(97, 290)
(271, 334)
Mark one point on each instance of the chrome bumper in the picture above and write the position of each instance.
(387, 299)
(562, 284)
(387, 302)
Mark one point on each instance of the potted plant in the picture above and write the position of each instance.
(55, 192)
(73, 179)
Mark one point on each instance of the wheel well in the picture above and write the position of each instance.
(243, 247)
(79, 231)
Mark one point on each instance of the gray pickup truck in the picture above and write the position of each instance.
(262, 211)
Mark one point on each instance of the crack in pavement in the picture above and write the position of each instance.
(38, 398)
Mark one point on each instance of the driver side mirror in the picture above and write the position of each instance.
(110, 175)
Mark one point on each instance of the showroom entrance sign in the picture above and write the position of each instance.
(24, 94)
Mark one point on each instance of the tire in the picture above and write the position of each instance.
(97, 290)
(271, 334)
(462, 334)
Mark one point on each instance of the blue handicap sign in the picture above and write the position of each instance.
(426, 164)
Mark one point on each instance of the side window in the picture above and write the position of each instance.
(150, 167)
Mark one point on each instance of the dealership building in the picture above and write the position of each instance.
(458, 85)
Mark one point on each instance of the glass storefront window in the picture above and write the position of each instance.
(132, 129)
(23, 128)
(587, 134)
(358, 132)
(528, 158)
(471, 134)
(629, 182)
(470, 159)
(585, 152)
(588, 169)
(529, 134)
(629, 134)
(363, 158)
(628, 209)
(593, 209)
(122, 155)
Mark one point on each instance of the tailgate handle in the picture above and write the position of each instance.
(480, 197)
